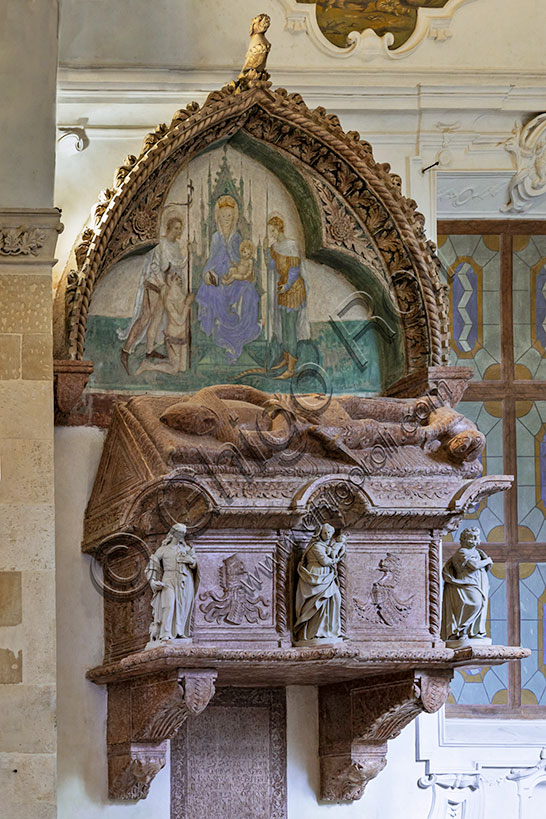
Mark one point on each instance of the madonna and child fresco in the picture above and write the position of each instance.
(227, 295)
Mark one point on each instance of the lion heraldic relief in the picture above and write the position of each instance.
(261, 322)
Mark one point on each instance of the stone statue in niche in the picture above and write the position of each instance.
(238, 601)
(318, 597)
(466, 591)
(173, 575)
(383, 605)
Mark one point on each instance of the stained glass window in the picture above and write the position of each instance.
(496, 273)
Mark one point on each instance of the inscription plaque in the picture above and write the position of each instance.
(230, 763)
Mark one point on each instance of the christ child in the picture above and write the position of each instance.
(242, 272)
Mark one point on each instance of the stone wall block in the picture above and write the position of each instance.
(37, 356)
(11, 667)
(27, 719)
(27, 470)
(11, 599)
(26, 410)
(38, 627)
(26, 304)
(29, 546)
(10, 357)
(27, 780)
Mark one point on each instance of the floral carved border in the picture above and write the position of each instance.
(128, 213)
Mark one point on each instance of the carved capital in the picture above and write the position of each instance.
(357, 719)
(142, 715)
(28, 236)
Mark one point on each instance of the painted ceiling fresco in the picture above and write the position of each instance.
(337, 18)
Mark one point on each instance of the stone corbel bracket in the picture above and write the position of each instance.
(357, 719)
(143, 714)
(367, 45)
(70, 380)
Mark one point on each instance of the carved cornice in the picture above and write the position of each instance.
(127, 213)
(291, 666)
(367, 45)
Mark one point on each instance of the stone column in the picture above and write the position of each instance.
(28, 233)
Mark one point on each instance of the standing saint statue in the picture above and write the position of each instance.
(466, 591)
(318, 598)
(173, 575)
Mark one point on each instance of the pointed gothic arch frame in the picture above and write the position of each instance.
(350, 184)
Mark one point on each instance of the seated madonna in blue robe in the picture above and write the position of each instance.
(227, 312)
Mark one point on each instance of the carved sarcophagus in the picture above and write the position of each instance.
(254, 477)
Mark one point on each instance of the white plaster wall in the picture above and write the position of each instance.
(28, 72)
(488, 34)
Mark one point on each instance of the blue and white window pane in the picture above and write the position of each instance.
(489, 515)
(532, 594)
(487, 685)
(471, 269)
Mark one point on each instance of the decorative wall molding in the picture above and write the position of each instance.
(527, 780)
(367, 45)
(455, 796)
(528, 145)
(471, 765)
(74, 135)
(379, 88)
(483, 195)
(462, 745)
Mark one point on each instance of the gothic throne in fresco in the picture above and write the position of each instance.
(227, 298)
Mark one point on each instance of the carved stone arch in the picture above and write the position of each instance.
(126, 217)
